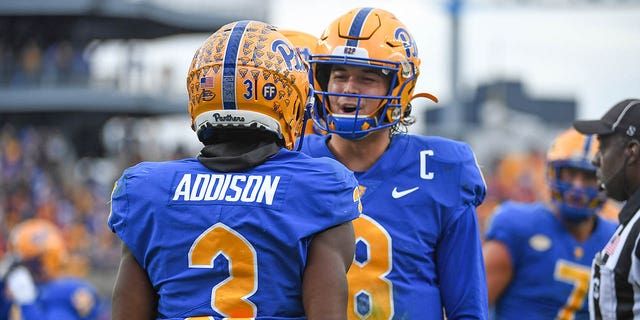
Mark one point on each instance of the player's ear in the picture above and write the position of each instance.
(632, 150)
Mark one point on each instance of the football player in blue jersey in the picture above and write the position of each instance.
(538, 255)
(35, 284)
(248, 228)
(418, 248)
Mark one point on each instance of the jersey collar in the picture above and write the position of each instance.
(630, 208)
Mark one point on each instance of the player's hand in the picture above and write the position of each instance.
(21, 286)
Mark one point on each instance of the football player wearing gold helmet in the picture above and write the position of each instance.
(306, 44)
(538, 254)
(418, 247)
(36, 282)
(249, 228)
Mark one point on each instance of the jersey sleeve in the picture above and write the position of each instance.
(348, 205)
(472, 183)
(333, 197)
(118, 210)
(120, 219)
(503, 227)
(460, 244)
(459, 179)
(461, 247)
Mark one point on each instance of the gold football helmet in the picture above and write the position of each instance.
(39, 244)
(248, 75)
(306, 43)
(375, 38)
(571, 146)
(574, 150)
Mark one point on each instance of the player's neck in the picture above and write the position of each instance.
(583, 230)
(360, 155)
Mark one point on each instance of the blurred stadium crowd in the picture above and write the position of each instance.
(42, 177)
(32, 65)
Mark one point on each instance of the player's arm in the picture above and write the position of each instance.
(498, 267)
(459, 261)
(324, 283)
(133, 295)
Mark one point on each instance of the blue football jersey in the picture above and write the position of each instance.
(418, 246)
(230, 244)
(551, 269)
(5, 303)
(62, 298)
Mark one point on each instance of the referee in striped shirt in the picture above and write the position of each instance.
(614, 291)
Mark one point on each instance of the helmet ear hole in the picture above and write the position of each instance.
(407, 69)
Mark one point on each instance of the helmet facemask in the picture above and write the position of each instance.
(575, 204)
(356, 125)
(571, 154)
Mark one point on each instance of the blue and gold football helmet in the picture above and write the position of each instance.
(248, 75)
(574, 150)
(367, 37)
(306, 43)
(38, 244)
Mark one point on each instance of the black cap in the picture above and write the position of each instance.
(623, 118)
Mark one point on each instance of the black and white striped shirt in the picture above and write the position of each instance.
(614, 291)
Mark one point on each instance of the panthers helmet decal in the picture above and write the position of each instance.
(306, 43)
(368, 37)
(249, 75)
(39, 243)
(572, 149)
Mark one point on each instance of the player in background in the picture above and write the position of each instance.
(538, 255)
(418, 248)
(248, 228)
(305, 43)
(35, 284)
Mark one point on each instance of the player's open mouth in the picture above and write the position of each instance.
(349, 108)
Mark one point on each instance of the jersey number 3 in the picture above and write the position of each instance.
(230, 298)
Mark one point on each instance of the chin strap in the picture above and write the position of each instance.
(425, 95)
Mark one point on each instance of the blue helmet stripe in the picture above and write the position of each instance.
(357, 25)
(229, 66)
